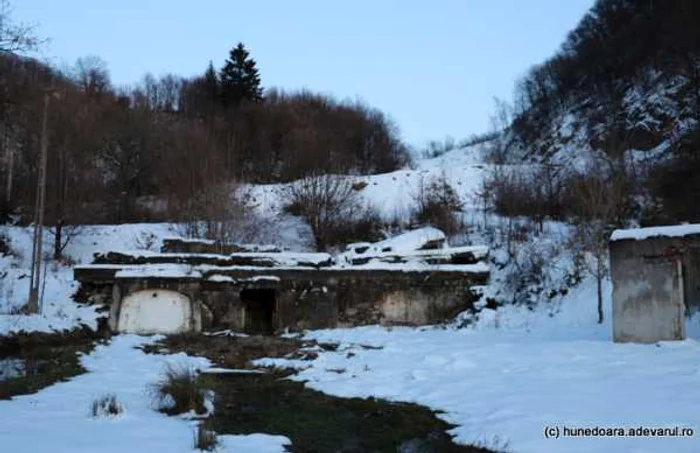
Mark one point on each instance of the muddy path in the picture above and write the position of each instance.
(30, 362)
(315, 422)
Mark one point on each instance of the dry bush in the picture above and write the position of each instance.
(226, 214)
(437, 204)
(107, 406)
(359, 185)
(363, 225)
(327, 202)
(146, 241)
(536, 192)
(179, 391)
(436, 148)
(204, 439)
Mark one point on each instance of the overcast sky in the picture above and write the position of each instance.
(433, 65)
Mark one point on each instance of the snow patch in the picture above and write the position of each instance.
(659, 231)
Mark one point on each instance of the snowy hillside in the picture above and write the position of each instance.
(392, 195)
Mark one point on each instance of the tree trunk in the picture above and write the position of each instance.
(10, 152)
(58, 238)
(33, 303)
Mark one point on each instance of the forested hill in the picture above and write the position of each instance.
(170, 137)
(624, 87)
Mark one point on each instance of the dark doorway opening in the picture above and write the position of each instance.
(259, 310)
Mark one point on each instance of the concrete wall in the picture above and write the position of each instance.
(652, 281)
(302, 300)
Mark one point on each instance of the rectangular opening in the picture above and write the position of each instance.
(259, 310)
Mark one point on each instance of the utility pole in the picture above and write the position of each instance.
(35, 284)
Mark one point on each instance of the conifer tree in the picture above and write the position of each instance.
(240, 80)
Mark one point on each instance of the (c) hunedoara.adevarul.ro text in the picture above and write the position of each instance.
(557, 431)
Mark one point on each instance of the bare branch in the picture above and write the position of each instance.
(15, 37)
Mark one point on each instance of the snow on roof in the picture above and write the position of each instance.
(282, 258)
(288, 258)
(413, 240)
(177, 271)
(221, 279)
(402, 253)
(136, 254)
(659, 231)
(190, 240)
(417, 266)
(158, 271)
(421, 256)
(227, 279)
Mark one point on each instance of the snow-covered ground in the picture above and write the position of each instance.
(59, 418)
(518, 372)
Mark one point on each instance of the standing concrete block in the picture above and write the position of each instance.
(650, 269)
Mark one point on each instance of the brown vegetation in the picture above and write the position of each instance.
(175, 141)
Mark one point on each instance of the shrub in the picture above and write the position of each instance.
(107, 406)
(226, 213)
(363, 225)
(326, 202)
(204, 439)
(179, 391)
(359, 185)
(436, 149)
(534, 191)
(437, 203)
(146, 240)
(294, 208)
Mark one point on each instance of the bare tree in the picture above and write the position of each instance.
(92, 76)
(437, 202)
(170, 89)
(599, 198)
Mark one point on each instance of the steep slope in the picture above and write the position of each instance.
(623, 89)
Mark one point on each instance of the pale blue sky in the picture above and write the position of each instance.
(433, 65)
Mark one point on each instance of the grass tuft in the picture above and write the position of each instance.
(204, 439)
(107, 406)
(179, 391)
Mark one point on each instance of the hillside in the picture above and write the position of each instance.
(623, 89)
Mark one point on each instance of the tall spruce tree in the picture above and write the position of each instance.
(240, 80)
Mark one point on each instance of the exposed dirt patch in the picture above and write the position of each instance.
(23, 342)
(316, 423)
(230, 351)
(319, 423)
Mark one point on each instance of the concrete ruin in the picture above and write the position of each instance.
(196, 285)
(656, 282)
